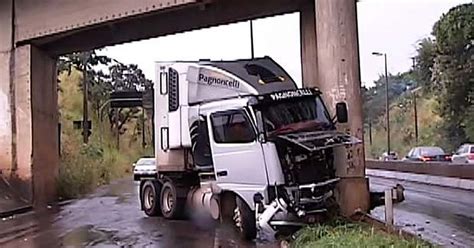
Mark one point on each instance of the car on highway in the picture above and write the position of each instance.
(464, 154)
(144, 167)
(427, 154)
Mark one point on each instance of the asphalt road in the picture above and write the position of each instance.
(439, 214)
(111, 218)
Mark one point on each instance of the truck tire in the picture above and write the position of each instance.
(150, 198)
(244, 219)
(172, 205)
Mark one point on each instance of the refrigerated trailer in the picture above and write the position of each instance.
(240, 142)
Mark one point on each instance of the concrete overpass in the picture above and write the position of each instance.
(34, 33)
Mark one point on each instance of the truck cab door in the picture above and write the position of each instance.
(237, 155)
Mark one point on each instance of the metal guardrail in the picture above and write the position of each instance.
(464, 171)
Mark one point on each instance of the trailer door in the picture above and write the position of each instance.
(236, 153)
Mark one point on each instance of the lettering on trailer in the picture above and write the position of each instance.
(291, 94)
(210, 80)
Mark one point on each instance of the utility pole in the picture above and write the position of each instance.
(416, 117)
(251, 40)
(370, 132)
(85, 112)
(387, 107)
(117, 127)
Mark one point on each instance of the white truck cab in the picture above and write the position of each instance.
(238, 141)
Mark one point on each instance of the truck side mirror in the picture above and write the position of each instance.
(341, 112)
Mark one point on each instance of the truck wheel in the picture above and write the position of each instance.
(172, 206)
(150, 198)
(244, 220)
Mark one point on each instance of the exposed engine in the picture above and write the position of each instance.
(303, 167)
(307, 161)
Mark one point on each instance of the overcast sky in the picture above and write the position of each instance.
(390, 26)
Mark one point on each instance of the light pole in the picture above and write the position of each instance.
(414, 102)
(387, 110)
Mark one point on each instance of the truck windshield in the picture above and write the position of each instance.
(301, 114)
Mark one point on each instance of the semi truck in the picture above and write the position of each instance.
(239, 142)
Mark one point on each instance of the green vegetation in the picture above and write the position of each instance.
(444, 76)
(350, 235)
(83, 167)
(402, 126)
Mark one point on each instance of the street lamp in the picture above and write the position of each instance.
(386, 99)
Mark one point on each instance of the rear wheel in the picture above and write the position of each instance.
(244, 220)
(150, 198)
(172, 205)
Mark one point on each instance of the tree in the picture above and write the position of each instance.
(424, 61)
(126, 78)
(84, 62)
(374, 97)
(120, 77)
(453, 73)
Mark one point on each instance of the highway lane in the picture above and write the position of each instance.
(439, 214)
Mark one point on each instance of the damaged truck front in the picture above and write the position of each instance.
(239, 141)
(304, 137)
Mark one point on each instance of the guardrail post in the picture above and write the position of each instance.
(389, 208)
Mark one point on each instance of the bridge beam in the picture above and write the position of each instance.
(339, 80)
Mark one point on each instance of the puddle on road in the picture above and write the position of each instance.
(89, 236)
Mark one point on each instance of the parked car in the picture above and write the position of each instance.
(389, 156)
(465, 154)
(428, 154)
(144, 167)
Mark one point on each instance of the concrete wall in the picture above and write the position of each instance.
(442, 169)
(452, 182)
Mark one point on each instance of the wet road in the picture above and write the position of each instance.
(111, 218)
(8, 199)
(439, 214)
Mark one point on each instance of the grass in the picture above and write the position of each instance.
(85, 167)
(342, 234)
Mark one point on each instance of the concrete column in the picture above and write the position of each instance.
(6, 136)
(339, 80)
(28, 116)
(44, 116)
(309, 55)
(36, 116)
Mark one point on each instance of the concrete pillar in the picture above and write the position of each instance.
(339, 80)
(309, 55)
(36, 116)
(28, 116)
(6, 35)
(44, 129)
